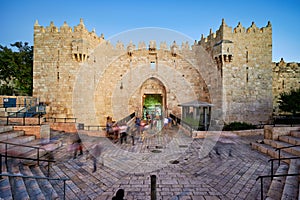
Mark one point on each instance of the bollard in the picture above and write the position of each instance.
(153, 187)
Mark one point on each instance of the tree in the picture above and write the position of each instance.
(16, 69)
(290, 101)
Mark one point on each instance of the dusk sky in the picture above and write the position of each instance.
(191, 18)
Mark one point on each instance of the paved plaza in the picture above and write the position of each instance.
(227, 171)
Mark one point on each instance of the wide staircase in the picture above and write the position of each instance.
(24, 157)
(285, 166)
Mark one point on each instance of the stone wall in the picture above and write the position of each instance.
(39, 131)
(272, 133)
(81, 75)
(286, 76)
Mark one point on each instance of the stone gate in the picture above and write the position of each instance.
(79, 74)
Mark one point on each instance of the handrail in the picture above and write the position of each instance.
(24, 158)
(24, 119)
(64, 179)
(182, 123)
(94, 126)
(268, 176)
(286, 119)
(59, 118)
(273, 159)
(22, 145)
(279, 151)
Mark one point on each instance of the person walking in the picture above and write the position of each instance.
(123, 132)
(95, 154)
(77, 145)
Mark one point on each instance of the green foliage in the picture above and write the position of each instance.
(16, 69)
(290, 101)
(235, 126)
(152, 100)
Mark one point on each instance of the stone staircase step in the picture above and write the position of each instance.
(9, 135)
(18, 186)
(5, 129)
(291, 186)
(5, 188)
(46, 187)
(277, 183)
(32, 186)
(18, 150)
(59, 173)
(269, 150)
(295, 151)
(295, 133)
(290, 139)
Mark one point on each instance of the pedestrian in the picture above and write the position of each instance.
(131, 133)
(77, 145)
(123, 132)
(166, 122)
(94, 154)
(119, 195)
(138, 124)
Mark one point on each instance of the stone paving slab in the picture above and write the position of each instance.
(229, 170)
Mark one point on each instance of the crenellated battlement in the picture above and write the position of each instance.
(65, 29)
(226, 31)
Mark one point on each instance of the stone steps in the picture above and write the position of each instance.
(10, 134)
(287, 187)
(26, 188)
(276, 187)
(291, 186)
(34, 191)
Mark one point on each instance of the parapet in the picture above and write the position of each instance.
(66, 30)
(225, 31)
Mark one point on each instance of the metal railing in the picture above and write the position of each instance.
(274, 159)
(268, 176)
(23, 158)
(21, 145)
(23, 122)
(41, 177)
(182, 123)
(60, 119)
(126, 119)
(272, 168)
(286, 119)
(279, 151)
(91, 128)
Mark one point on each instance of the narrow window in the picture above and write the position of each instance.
(247, 76)
(57, 76)
(247, 56)
(152, 65)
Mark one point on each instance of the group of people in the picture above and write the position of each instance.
(118, 131)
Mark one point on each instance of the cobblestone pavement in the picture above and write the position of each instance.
(229, 170)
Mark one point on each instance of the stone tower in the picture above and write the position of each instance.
(244, 59)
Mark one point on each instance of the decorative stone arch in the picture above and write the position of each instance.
(114, 80)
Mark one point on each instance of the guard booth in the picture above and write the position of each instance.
(197, 114)
(9, 102)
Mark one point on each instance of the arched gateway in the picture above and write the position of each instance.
(140, 81)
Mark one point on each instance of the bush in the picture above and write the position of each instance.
(235, 126)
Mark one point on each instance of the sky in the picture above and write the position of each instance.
(190, 18)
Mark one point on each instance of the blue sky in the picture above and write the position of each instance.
(191, 18)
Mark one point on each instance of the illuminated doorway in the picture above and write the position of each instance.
(152, 105)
